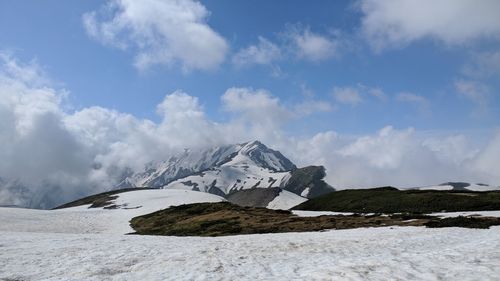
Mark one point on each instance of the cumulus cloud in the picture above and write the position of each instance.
(419, 101)
(311, 46)
(396, 23)
(32, 132)
(51, 155)
(401, 158)
(483, 65)
(485, 163)
(354, 95)
(475, 91)
(159, 32)
(312, 106)
(378, 93)
(347, 95)
(263, 53)
(297, 42)
(258, 112)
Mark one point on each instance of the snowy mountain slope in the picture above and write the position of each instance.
(231, 177)
(82, 219)
(228, 169)
(191, 162)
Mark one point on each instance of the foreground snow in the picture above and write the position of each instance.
(88, 244)
(408, 253)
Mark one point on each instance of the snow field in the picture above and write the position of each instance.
(88, 244)
(81, 219)
(409, 253)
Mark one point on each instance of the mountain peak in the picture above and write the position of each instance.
(228, 169)
(192, 161)
(265, 157)
(254, 143)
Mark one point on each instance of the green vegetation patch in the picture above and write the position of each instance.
(392, 200)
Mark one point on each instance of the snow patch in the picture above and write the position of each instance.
(285, 200)
(318, 213)
(467, 214)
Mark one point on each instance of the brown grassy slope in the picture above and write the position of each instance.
(217, 219)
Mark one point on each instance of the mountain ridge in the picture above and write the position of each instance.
(224, 170)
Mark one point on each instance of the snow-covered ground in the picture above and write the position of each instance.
(466, 214)
(97, 220)
(301, 213)
(409, 253)
(286, 200)
(88, 244)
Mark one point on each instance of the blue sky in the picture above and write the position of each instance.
(52, 33)
(404, 93)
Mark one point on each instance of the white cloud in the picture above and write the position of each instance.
(311, 46)
(378, 93)
(410, 97)
(357, 94)
(347, 95)
(396, 23)
(421, 102)
(311, 106)
(486, 161)
(379, 151)
(473, 90)
(258, 112)
(50, 155)
(295, 43)
(401, 158)
(265, 52)
(483, 65)
(180, 105)
(160, 32)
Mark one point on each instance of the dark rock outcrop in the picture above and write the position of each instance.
(308, 182)
(255, 197)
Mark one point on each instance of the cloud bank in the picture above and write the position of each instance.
(51, 155)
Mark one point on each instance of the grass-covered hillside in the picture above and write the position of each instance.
(223, 218)
(392, 200)
(217, 219)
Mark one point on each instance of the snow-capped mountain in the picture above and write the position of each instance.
(228, 169)
(159, 174)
